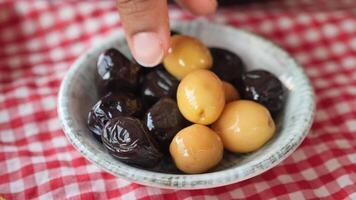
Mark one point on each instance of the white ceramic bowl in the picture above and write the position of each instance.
(78, 93)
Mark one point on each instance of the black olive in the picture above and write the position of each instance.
(226, 65)
(158, 84)
(265, 88)
(116, 71)
(164, 121)
(127, 139)
(111, 106)
(173, 32)
(146, 70)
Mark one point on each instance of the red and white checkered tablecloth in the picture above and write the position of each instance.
(39, 40)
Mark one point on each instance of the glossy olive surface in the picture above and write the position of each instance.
(201, 97)
(265, 88)
(196, 149)
(226, 65)
(185, 55)
(127, 139)
(116, 71)
(111, 106)
(158, 84)
(164, 121)
(244, 126)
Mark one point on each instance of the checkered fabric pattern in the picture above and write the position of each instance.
(40, 40)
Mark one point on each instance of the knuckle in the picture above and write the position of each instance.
(134, 7)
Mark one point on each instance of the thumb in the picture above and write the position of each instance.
(147, 29)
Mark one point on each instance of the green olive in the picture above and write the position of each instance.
(185, 55)
(196, 149)
(244, 126)
(201, 97)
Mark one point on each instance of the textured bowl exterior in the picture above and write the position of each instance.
(78, 93)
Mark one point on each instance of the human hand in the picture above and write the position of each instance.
(146, 26)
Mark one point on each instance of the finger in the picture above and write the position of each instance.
(199, 7)
(147, 29)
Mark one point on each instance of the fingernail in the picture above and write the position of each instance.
(147, 49)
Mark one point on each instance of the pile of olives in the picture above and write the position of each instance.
(187, 110)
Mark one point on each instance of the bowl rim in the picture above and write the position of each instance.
(195, 181)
